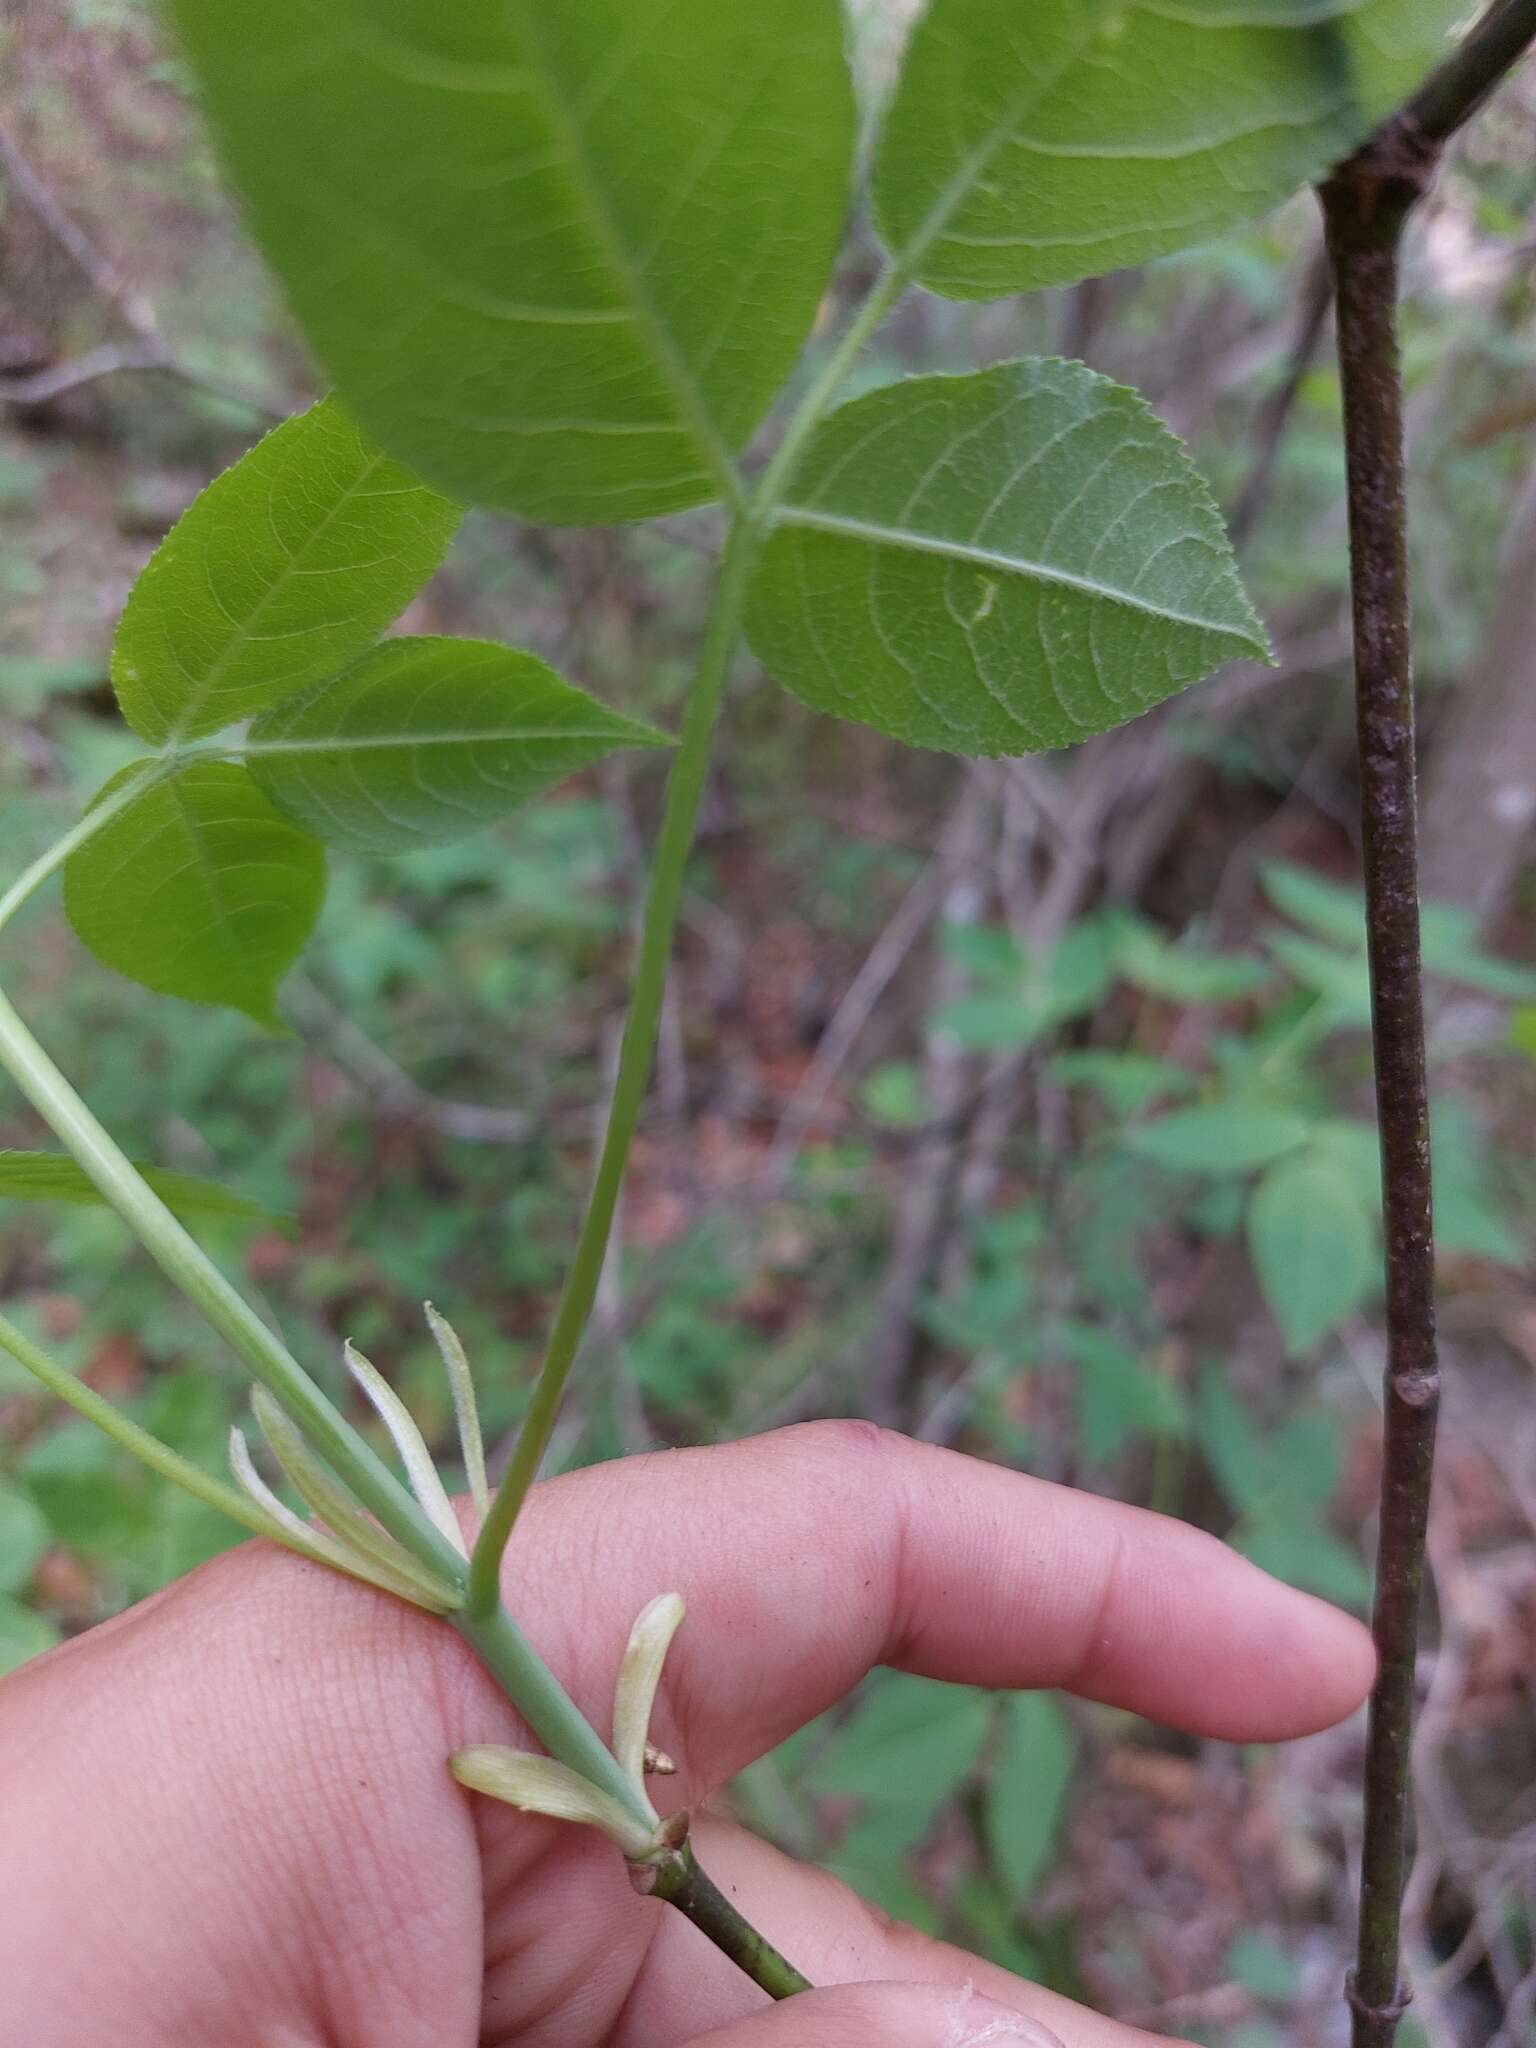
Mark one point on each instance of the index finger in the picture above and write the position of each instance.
(809, 1556)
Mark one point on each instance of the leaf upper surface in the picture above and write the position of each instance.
(199, 888)
(1035, 144)
(285, 567)
(559, 255)
(425, 740)
(997, 563)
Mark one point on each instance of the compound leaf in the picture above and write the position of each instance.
(558, 255)
(199, 888)
(284, 568)
(1035, 144)
(425, 740)
(995, 563)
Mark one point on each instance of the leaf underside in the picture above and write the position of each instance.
(559, 255)
(1036, 142)
(199, 888)
(425, 740)
(283, 569)
(997, 563)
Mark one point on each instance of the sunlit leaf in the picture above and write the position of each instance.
(997, 563)
(1033, 144)
(199, 888)
(425, 740)
(558, 254)
(284, 568)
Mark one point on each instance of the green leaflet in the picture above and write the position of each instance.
(200, 889)
(996, 563)
(559, 255)
(1313, 1246)
(285, 567)
(51, 1177)
(427, 739)
(1036, 144)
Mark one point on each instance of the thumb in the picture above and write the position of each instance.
(885, 2016)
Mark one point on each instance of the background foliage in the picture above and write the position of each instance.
(1021, 1105)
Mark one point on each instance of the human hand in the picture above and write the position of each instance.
(227, 1820)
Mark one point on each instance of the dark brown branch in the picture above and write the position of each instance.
(1366, 205)
(1454, 93)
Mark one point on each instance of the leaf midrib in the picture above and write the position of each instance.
(371, 742)
(244, 634)
(667, 357)
(973, 556)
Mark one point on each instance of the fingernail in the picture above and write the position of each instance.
(974, 2022)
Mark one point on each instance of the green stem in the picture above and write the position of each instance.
(148, 1449)
(824, 387)
(544, 1703)
(189, 1268)
(673, 847)
(32, 879)
(684, 790)
(683, 1884)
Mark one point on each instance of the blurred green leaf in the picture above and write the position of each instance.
(1335, 911)
(893, 1095)
(1342, 979)
(910, 1744)
(1180, 972)
(991, 1926)
(1129, 1082)
(1304, 1553)
(283, 569)
(200, 889)
(1027, 1790)
(1025, 148)
(1119, 1396)
(1229, 1442)
(558, 257)
(49, 1177)
(94, 1498)
(425, 740)
(23, 1537)
(1313, 1244)
(1263, 1967)
(1219, 1138)
(1467, 1220)
(953, 604)
(23, 1634)
(1451, 948)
